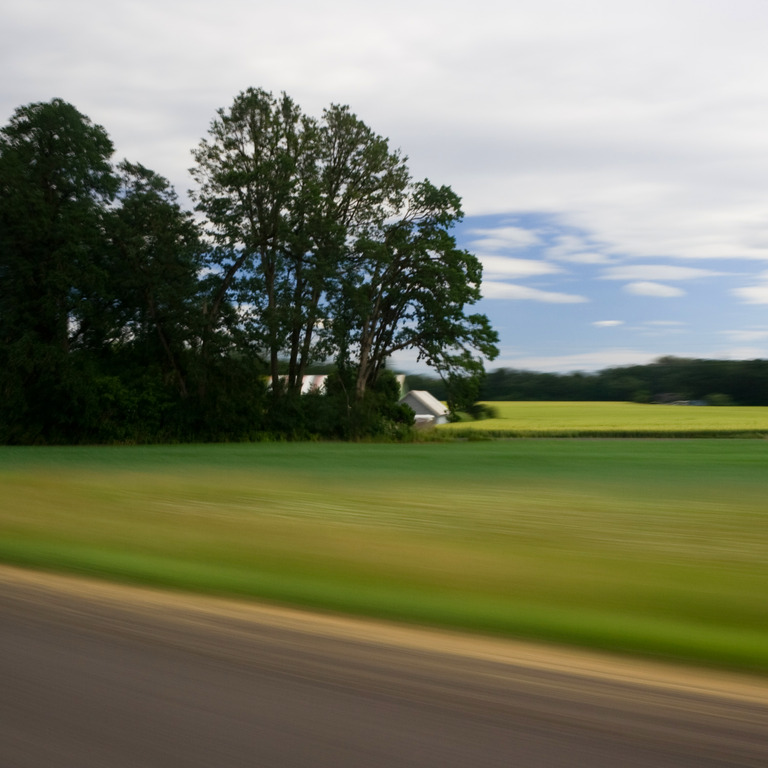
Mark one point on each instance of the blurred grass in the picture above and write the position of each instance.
(653, 546)
(607, 419)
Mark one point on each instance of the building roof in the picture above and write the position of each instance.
(428, 401)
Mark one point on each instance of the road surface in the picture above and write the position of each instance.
(94, 675)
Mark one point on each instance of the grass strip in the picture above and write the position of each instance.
(651, 547)
(609, 631)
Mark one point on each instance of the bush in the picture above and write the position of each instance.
(719, 399)
(480, 411)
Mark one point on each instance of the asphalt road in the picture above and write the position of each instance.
(99, 676)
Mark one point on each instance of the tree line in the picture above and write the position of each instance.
(668, 379)
(125, 317)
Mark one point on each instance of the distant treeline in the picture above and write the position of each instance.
(668, 379)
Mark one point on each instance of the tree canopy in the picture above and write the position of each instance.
(125, 317)
(56, 184)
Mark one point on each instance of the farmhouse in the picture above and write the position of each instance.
(309, 383)
(428, 409)
(315, 383)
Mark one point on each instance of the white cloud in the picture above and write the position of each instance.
(752, 294)
(645, 288)
(586, 257)
(607, 323)
(747, 336)
(744, 353)
(577, 250)
(500, 267)
(497, 290)
(657, 328)
(656, 272)
(665, 323)
(640, 124)
(500, 238)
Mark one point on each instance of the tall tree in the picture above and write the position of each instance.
(285, 195)
(409, 289)
(248, 177)
(153, 295)
(326, 248)
(356, 183)
(55, 183)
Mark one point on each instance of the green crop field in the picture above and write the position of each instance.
(615, 419)
(656, 547)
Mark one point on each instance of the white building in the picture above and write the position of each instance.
(428, 409)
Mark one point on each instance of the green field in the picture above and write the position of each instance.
(524, 419)
(656, 547)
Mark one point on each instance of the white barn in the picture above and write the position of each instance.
(427, 408)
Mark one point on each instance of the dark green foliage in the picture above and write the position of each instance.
(337, 414)
(232, 406)
(462, 392)
(408, 287)
(378, 413)
(55, 184)
(480, 411)
(121, 322)
(329, 250)
(718, 399)
(153, 307)
(249, 174)
(99, 284)
(285, 195)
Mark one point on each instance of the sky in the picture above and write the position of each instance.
(611, 155)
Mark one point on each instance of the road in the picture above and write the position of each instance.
(94, 675)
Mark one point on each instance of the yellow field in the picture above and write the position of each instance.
(550, 418)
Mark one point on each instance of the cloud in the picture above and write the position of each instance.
(644, 288)
(497, 290)
(752, 294)
(607, 323)
(501, 238)
(657, 328)
(586, 257)
(747, 336)
(520, 107)
(744, 353)
(654, 272)
(577, 250)
(500, 267)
